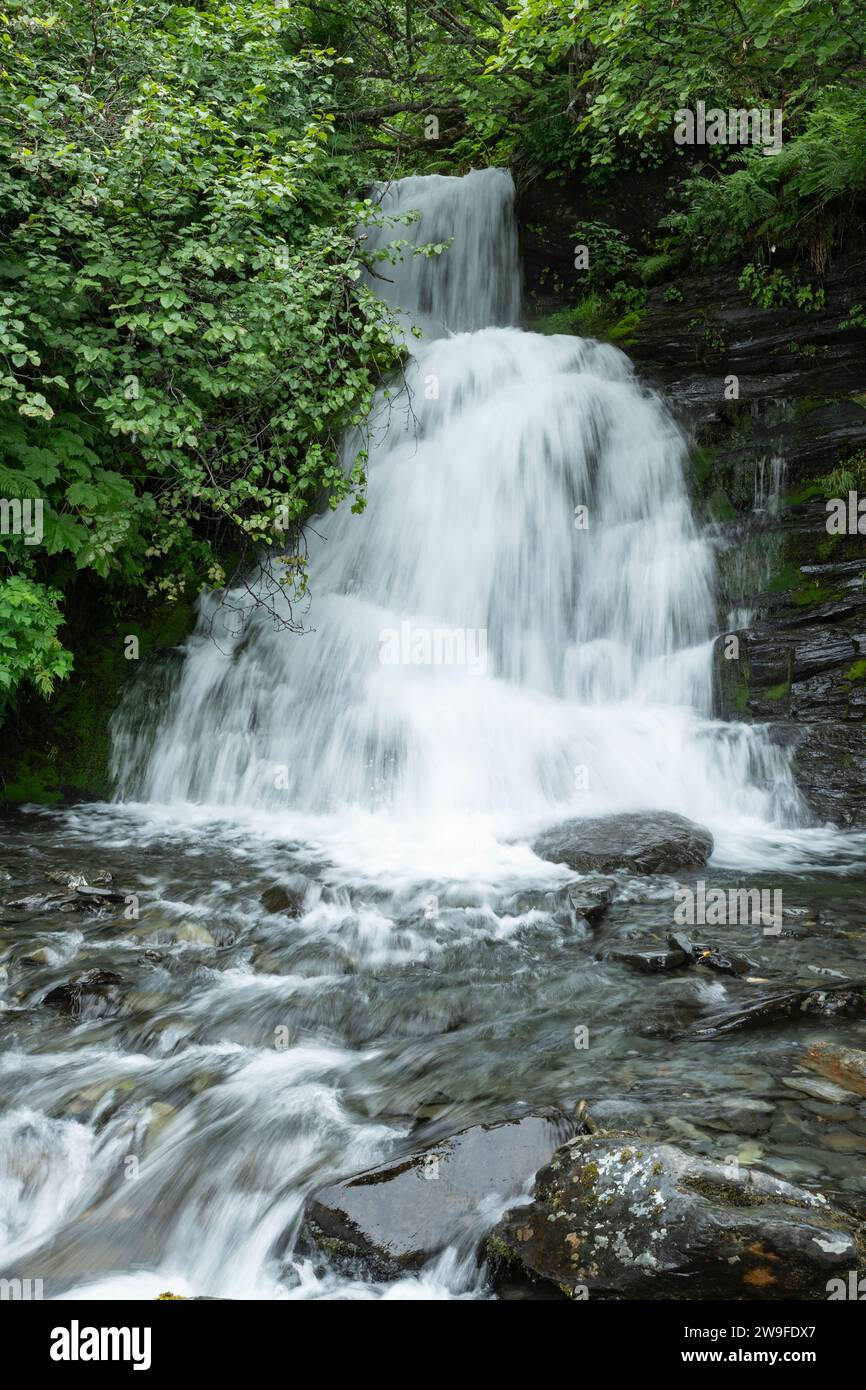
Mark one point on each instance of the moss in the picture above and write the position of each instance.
(789, 577)
(589, 1174)
(777, 692)
(827, 546)
(500, 1252)
(720, 506)
(703, 462)
(849, 475)
(57, 749)
(735, 1196)
(594, 316)
(808, 404)
(719, 1192)
(857, 672)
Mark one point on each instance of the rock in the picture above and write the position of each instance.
(99, 897)
(44, 903)
(78, 878)
(713, 959)
(80, 898)
(817, 1089)
(194, 933)
(42, 955)
(826, 1001)
(647, 962)
(66, 877)
(281, 898)
(586, 900)
(95, 995)
(616, 1218)
(844, 1066)
(737, 1114)
(646, 842)
(842, 1141)
(678, 941)
(159, 1116)
(395, 1217)
(679, 952)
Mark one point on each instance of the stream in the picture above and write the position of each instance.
(318, 933)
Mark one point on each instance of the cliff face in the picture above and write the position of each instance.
(771, 449)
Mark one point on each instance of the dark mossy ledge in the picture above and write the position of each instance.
(56, 750)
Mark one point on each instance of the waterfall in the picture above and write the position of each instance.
(518, 628)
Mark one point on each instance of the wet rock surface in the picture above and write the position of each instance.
(231, 1035)
(97, 994)
(644, 842)
(397, 1216)
(588, 900)
(617, 1217)
(843, 1066)
(848, 999)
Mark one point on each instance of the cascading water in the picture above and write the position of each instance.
(526, 595)
(518, 629)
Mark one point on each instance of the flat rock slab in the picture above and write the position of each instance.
(620, 1218)
(844, 1066)
(396, 1217)
(646, 842)
(766, 1008)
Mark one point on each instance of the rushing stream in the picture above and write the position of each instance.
(517, 630)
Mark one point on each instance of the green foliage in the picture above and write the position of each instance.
(611, 258)
(594, 87)
(29, 647)
(772, 289)
(184, 331)
(855, 318)
(802, 198)
(612, 317)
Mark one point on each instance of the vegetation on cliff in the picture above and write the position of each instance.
(185, 328)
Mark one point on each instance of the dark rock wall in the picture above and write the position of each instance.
(794, 594)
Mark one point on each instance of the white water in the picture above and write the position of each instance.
(479, 664)
(591, 691)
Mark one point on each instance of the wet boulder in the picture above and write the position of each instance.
(97, 994)
(645, 842)
(618, 1218)
(649, 960)
(287, 898)
(395, 1217)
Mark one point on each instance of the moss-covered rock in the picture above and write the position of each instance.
(614, 1217)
